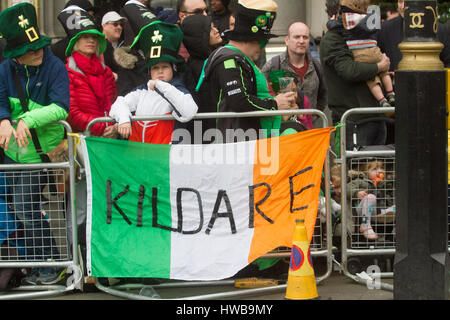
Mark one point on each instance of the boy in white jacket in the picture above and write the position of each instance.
(163, 94)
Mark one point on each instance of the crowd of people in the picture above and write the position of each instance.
(195, 59)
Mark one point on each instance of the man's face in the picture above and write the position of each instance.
(31, 58)
(113, 30)
(192, 7)
(217, 6)
(401, 7)
(297, 40)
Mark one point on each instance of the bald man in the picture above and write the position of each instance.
(298, 60)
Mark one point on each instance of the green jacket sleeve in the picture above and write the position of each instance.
(39, 117)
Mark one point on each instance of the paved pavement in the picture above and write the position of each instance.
(335, 287)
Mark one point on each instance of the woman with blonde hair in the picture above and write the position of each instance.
(92, 84)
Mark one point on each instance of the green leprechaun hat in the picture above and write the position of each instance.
(76, 22)
(18, 25)
(160, 42)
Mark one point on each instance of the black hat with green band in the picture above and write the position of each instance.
(138, 16)
(253, 21)
(77, 22)
(160, 42)
(18, 25)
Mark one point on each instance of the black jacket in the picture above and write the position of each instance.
(391, 35)
(232, 88)
(221, 21)
(59, 49)
(130, 73)
(196, 30)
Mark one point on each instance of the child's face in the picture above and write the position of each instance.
(376, 171)
(162, 71)
(336, 184)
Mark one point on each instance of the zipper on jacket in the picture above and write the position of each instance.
(28, 83)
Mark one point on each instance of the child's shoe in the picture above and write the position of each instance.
(51, 275)
(391, 98)
(384, 103)
(32, 277)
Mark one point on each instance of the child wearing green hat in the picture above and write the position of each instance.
(165, 93)
(34, 92)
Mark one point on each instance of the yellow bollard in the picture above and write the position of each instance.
(301, 284)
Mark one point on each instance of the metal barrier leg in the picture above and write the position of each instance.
(362, 248)
(40, 231)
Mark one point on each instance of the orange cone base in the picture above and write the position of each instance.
(301, 288)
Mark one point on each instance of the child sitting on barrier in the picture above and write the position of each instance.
(357, 27)
(163, 94)
(373, 194)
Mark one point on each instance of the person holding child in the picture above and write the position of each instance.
(357, 27)
(165, 93)
(347, 88)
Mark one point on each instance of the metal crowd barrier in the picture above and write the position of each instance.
(53, 225)
(354, 246)
(321, 245)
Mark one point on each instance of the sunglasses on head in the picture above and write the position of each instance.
(197, 11)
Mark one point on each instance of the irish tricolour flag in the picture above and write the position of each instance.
(197, 212)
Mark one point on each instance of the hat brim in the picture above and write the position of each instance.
(241, 36)
(164, 58)
(143, 29)
(101, 41)
(10, 53)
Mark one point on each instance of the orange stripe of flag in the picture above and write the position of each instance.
(295, 153)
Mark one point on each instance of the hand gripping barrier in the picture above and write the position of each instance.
(40, 230)
(321, 245)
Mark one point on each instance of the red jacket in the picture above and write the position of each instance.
(85, 103)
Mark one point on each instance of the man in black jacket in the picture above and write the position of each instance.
(391, 35)
(235, 83)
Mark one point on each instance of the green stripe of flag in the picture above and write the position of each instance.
(146, 250)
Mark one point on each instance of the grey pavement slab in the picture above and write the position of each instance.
(335, 287)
